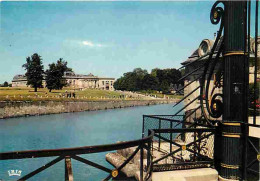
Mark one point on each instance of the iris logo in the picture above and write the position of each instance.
(14, 173)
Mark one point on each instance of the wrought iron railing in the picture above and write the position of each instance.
(161, 122)
(192, 148)
(174, 136)
(73, 153)
(151, 122)
(191, 119)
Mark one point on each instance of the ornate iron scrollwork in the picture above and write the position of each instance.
(216, 13)
(213, 103)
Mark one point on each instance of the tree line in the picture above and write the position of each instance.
(139, 79)
(53, 75)
(5, 84)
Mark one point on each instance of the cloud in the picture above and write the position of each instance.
(91, 44)
(84, 44)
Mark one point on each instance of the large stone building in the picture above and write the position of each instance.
(77, 81)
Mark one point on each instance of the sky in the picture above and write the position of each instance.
(106, 39)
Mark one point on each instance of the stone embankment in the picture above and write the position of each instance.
(10, 109)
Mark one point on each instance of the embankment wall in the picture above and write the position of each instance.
(29, 108)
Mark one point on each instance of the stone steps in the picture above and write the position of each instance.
(201, 174)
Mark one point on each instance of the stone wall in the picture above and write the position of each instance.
(28, 108)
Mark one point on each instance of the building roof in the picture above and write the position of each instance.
(67, 75)
(106, 78)
(19, 77)
(195, 55)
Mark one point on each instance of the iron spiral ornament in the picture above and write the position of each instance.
(216, 13)
(213, 101)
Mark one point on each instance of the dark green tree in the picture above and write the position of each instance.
(165, 87)
(138, 76)
(131, 81)
(5, 84)
(54, 75)
(149, 82)
(140, 79)
(34, 71)
(154, 72)
(117, 84)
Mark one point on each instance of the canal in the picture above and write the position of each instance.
(70, 130)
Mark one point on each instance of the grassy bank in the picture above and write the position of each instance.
(28, 94)
(160, 95)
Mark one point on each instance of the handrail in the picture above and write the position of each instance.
(73, 151)
(68, 153)
(166, 119)
(184, 130)
(163, 115)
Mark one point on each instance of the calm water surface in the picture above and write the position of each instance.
(70, 130)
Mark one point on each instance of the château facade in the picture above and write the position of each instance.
(77, 81)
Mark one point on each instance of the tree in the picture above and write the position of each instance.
(117, 84)
(154, 72)
(131, 81)
(54, 75)
(139, 75)
(140, 79)
(34, 71)
(173, 76)
(5, 84)
(164, 87)
(149, 82)
(140, 72)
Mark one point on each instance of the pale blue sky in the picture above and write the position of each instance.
(104, 38)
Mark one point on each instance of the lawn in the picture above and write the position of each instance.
(160, 95)
(28, 94)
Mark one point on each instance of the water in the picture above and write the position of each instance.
(70, 130)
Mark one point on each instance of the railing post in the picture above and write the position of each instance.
(149, 159)
(199, 136)
(149, 133)
(171, 139)
(68, 169)
(143, 128)
(160, 121)
(141, 163)
(183, 126)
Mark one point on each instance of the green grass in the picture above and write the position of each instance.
(160, 95)
(28, 94)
